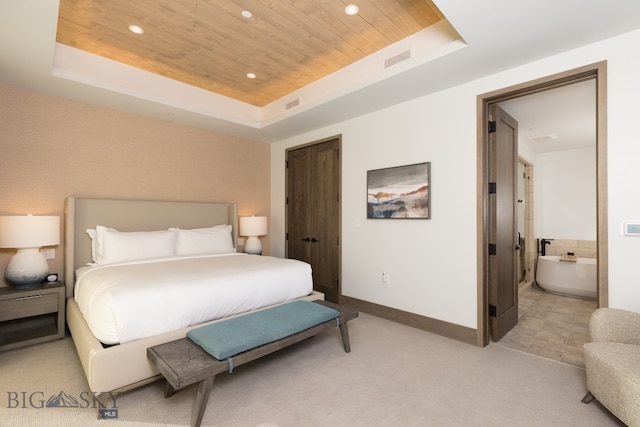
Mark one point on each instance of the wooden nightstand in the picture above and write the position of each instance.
(31, 316)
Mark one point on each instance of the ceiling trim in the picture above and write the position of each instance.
(496, 35)
(427, 45)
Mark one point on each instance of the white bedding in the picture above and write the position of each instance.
(128, 301)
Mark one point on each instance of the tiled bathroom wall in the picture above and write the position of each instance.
(530, 241)
(581, 248)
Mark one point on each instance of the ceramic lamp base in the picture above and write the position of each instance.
(27, 269)
(253, 246)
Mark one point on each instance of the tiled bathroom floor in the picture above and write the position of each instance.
(551, 326)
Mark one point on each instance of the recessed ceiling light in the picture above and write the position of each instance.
(351, 10)
(251, 75)
(136, 29)
(246, 14)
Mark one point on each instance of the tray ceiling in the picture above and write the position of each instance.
(287, 44)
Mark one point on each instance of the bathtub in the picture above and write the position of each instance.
(577, 279)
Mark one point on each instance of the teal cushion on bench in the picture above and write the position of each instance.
(236, 335)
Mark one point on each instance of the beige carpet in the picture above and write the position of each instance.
(394, 376)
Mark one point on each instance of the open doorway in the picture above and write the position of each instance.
(556, 205)
(596, 72)
(556, 199)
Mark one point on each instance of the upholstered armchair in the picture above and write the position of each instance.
(612, 362)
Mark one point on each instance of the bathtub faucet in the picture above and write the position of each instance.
(543, 246)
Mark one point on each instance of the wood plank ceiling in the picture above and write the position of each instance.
(287, 44)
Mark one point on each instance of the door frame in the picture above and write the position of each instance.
(597, 71)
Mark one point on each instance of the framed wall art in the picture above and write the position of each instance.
(400, 192)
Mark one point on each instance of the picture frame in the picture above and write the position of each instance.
(400, 192)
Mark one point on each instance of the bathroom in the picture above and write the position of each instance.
(556, 206)
(564, 220)
(556, 211)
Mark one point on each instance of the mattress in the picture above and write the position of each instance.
(128, 301)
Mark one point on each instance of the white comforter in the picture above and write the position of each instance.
(128, 301)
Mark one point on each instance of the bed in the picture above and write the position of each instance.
(117, 360)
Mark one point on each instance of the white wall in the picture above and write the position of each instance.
(432, 263)
(565, 195)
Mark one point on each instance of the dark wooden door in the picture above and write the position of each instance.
(503, 233)
(313, 213)
(299, 228)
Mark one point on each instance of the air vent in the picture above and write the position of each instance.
(398, 58)
(542, 138)
(293, 103)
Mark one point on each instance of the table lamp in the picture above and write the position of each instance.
(27, 233)
(252, 227)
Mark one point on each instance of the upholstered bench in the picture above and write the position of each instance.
(225, 345)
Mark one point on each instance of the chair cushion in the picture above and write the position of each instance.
(230, 337)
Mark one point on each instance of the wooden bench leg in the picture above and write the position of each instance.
(168, 389)
(204, 388)
(344, 332)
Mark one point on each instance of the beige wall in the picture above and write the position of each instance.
(51, 148)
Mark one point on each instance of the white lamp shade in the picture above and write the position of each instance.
(253, 226)
(29, 231)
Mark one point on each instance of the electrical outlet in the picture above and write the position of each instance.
(49, 253)
(385, 279)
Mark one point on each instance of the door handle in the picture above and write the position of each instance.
(314, 239)
(305, 239)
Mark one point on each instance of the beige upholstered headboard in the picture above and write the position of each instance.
(133, 215)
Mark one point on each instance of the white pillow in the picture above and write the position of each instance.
(118, 246)
(94, 243)
(198, 241)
